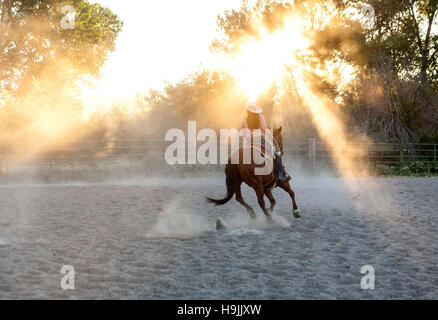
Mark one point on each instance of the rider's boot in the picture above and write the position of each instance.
(282, 176)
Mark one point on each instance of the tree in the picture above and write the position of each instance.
(238, 25)
(406, 32)
(401, 73)
(209, 97)
(35, 45)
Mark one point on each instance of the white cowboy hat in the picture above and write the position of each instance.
(252, 107)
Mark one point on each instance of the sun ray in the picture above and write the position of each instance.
(265, 61)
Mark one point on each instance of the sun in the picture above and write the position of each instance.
(258, 64)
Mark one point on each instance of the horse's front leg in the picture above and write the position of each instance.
(239, 198)
(268, 193)
(286, 187)
(261, 199)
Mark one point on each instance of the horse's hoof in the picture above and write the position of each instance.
(253, 216)
(269, 220)
(296, 213)
(220, 225)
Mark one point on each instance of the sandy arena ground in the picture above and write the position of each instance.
(156, 239)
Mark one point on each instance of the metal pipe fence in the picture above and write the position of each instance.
(130, 150)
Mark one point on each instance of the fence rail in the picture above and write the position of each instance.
(376, 153)
(312, 151)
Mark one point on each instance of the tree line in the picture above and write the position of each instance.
(393, 98)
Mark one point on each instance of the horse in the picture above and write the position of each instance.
(237, 173)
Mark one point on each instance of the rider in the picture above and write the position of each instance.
(256, 120)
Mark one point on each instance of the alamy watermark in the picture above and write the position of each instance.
(247, 147)
(367, 281)
(368, 17)
(69, 18)
(68, 280)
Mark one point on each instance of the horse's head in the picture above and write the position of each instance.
(278, 137)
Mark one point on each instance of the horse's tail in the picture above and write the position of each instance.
(229, 173)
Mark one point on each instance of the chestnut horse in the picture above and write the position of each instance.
(262, 184)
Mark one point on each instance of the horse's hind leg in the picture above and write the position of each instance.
(261, 198)
(268, 193)
(286, 187)
(239, 198)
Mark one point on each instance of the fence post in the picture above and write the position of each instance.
(402, 154)
(434, 155)
(312, 155)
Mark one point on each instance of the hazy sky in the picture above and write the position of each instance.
(162, 40)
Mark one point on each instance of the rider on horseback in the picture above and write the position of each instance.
(256, 120)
